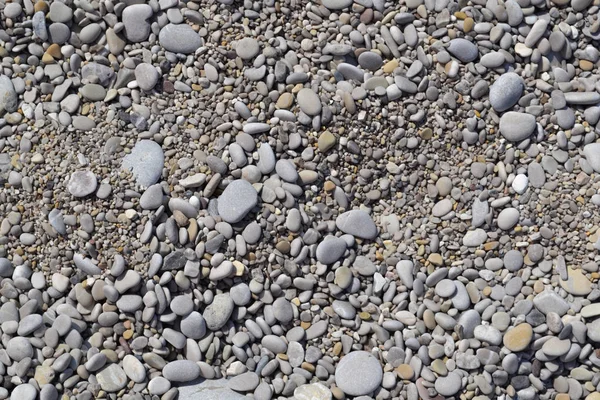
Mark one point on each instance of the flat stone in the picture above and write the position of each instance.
(245, 382)
(508, 218)
(358, 373)
(448, 385)
(592, 155)
(582, 98)
(112, 378)
(146, 76)
(218, 312)
(475, 238)
(134, 369)
(236, 201)
(136, 22)
(577, 284)
(208, 389)
(442, 208)
(181, 371)
(309, 101)
(146, 162)
(556, 347)
(179, 38)
(357, 223)
(548, 301)
(330, 250)
(336, 4)
(247, 48)
(9, 100)
(518, 338)
(82, 183)
(463, 49)
(516, 126)
(506, 91)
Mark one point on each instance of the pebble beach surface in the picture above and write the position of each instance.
(317, 199)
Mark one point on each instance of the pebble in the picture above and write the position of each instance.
(358, 373)
(218, 312)
(236, 201)
(179, 38)
(518, 338)
(247, 48)
(506, 91)
(463, 49)
(111, 378)
(516, 126)
(82, 183)
(309, 101)
(145, 162)
(357, 223)
(181, 371)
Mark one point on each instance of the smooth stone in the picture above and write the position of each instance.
(475, 238)
(9, 100)
(179, 38)
(516, 126)
(556, 347)
(330, 250)
(592, 155)
(448, 385)
(442, 208)
(247, 48)
(245, 382)
(548, 301)
(508, 218)
(309, 102)
(135, 21)
(19, 348)
(146, 76)
(146, 162)
(506, 91)
(208, 389)
(582, 98)
(463, 49)
(218, 312)
(518, 338)
(357, 223)
(181, 371)
(193, 326)
(336, 4)
(82, 183)
(134, 369)
(112, 378)
(577, 284)
(236, 201)
(358, 373)
(24, 391)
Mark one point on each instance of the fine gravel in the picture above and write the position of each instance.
(310, 200)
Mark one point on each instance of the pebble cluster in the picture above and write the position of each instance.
(315, 200)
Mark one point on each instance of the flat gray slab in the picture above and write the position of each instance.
(208, 389)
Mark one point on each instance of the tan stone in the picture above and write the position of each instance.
(390, 66)
(41, 6)
(405, 371)
(519, 337)
(586, 65)
(435, 259)
(577, 284)
(326, 141)
(285, 100)
(468, 24)
(54, 51)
